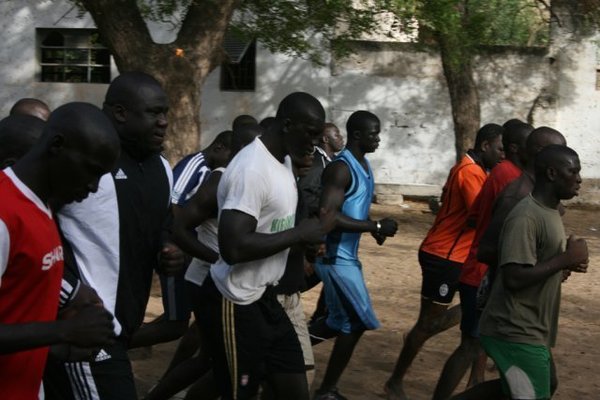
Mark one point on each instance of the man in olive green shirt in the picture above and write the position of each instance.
(519, 324)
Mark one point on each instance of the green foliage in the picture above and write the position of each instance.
(297, 27)
(302, 27)
(463, 25)
(306, 27)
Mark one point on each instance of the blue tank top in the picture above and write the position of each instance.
(342, 247)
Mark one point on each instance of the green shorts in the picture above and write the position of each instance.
(524, 368)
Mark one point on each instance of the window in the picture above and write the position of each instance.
(73, 55)
(239, 73)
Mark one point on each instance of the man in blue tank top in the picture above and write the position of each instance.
(348, 187)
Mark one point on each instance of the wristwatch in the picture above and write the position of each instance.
(378, 224)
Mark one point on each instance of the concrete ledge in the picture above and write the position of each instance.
(416, 190)
(394, 194)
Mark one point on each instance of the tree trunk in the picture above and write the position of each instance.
(181, 67)
(464, 96)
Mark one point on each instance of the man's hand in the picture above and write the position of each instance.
(577, 254)
(90, 326)
(170, 259)
(388, 227)
(380, 239)
(86, 296)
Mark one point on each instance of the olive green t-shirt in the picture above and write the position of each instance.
(532, 233)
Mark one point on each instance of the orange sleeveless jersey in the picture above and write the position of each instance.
(449, 237)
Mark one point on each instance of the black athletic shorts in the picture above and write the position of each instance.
(248, 342)
(469, 320)
(440, 278)
(108, 376)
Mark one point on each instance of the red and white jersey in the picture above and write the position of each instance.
(31, 268)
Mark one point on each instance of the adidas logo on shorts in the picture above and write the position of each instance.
(102, 356)
(120, 174)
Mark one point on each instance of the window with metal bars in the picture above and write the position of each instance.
(72, 55)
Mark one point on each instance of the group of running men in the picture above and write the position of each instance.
(237, 231)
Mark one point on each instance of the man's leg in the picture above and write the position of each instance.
(184, 368)
(340, 356)
(478, 368)
(433, 319)
(439, 284)
(455, 368)
(180, 377)
(292, 304)
(205, 388)
(553, 376)
(467, 353)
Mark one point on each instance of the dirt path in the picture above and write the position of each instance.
(394, 278)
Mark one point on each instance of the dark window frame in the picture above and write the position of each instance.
(77, 56)
(240, 76)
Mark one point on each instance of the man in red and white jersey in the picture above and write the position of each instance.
(77, 146)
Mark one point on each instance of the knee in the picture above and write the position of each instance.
(427, 326)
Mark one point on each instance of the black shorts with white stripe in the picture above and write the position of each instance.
(249, 342)
(107, 377)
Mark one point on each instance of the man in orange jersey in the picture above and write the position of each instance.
(466, 354)
(445, 249)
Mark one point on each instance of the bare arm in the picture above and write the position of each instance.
(575, 258)
(91, 326)
(336, 181)
(239, 242)
(201, 207)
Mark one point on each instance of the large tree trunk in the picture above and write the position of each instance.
(464, 96)
(181, 67)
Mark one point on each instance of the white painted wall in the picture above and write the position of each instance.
(19, 60)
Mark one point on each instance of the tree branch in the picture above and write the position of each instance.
(203, 29)
(124, 35)
(552, 13)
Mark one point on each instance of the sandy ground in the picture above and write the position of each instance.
(394, 279)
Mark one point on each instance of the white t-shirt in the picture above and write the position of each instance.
(257, 184)
(207, 232)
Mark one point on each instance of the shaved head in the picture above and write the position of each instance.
(300, 105)
(242, 120)
(83, 126)
(299, 127)
(33, 107)
(82, 145)
(516, 133)
(125, 88)
(359, 121)
(557, 172)
(138, 107)
(542, 137)
(18, 134)
(267, 122)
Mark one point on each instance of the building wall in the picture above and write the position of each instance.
(400, 82)
(19, 66)
(404, 85)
